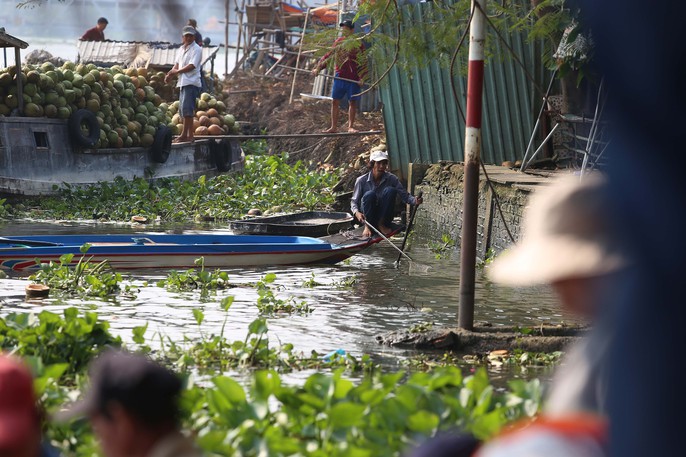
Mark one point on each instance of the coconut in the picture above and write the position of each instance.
(202, 130)
(205, 121)
(147, 140)
(215, 130)
(212, 112)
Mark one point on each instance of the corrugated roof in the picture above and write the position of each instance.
(135, 53)
(9, 41)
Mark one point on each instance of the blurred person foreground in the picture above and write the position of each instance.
(20, 418)
(132, 405)
(570, 243)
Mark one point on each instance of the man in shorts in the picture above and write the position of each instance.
(347, 73)
(187, 67)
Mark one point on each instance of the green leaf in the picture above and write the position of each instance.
(423, 422)
(346, 414)
(229, 389)
(258, 327)
(139, 333)
(227, 302)
(198, 315)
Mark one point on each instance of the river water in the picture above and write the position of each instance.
(383, 298)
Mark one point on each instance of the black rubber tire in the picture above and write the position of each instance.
(161, 145)
(221, 154)
(87, 118)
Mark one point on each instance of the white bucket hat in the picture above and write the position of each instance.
(378, 156)
(565, 234)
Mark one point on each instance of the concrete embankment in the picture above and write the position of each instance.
(501, 203)
(501, 206)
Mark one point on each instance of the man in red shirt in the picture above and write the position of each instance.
(347, 73)
(97, 33)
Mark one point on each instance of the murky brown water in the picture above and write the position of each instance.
(384, 298)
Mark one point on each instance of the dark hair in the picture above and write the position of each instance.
(146, 390)
(103, 20)
(152, 401)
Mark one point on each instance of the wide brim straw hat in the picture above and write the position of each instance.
(566, 233)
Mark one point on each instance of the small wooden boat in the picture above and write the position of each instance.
(160, 250)
(308, 223)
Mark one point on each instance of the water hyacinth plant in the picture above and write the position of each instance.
(326, 414)
(267, 183)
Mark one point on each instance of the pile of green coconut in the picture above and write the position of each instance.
(128, 106)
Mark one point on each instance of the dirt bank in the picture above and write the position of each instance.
(263, 105)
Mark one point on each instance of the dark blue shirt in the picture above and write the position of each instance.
(365, 183)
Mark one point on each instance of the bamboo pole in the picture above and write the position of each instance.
(319, 74)
(226, 38)
(289, 135)
(240, 33)
(297, 60)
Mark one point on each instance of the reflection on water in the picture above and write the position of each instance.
(383, 298)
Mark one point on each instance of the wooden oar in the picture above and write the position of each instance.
(34, 243)
(389, 241)
(408, 228)
(413, 265)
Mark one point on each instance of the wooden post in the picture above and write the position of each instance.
(472, 152)
(297, 60)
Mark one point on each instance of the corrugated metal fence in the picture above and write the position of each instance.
(422, 118)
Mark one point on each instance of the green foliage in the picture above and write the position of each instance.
(325, 414)
(85, 279)
(488, 258)
(268, 181)
(421, 327)
(192, 279)
(269, 305)
(311, 283)
(73, 339)
(330, 415)
(344, 283)
(215, 353)
(439, 249)
(5, 209)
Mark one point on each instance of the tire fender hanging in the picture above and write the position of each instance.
(221, 154)
(161, 145)
(83, 117)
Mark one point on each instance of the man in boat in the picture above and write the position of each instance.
(96, 33)
(348, 74)
(187, 68)
(132, 405)
(374, 195)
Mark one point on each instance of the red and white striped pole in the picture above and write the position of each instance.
(472, 158)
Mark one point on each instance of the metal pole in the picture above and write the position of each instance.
(472, 153)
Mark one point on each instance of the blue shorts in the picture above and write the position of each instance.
(187, 99)
(343, 89)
